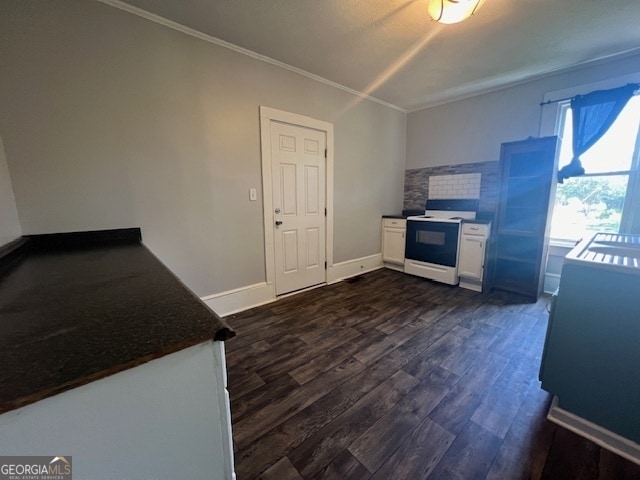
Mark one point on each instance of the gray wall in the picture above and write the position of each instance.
(471, 130)
(110, 120)
(9, 223)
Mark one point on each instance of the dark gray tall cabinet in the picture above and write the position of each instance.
(521, 240)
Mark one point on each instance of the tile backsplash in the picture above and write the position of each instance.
(417, 184)
(461, 185)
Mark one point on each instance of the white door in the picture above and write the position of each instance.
(298, 173)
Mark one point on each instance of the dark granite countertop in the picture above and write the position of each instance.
(408, 213)
(405, 214)
(74, 309)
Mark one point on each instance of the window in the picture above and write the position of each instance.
(602, 199)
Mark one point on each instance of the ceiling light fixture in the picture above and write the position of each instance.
(452, 11)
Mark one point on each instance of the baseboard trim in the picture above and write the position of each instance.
(351, 268)
(393, 266)
(598, 435)
(240, 299)
(551, 282)
(244, 298)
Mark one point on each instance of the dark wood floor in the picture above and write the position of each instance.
(388, 376)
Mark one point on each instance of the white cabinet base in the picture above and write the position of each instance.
(394, 266)
(472, 255)
(393, 240)
(474, 285)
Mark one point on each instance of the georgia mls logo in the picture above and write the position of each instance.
(35, 468)
(60, 465)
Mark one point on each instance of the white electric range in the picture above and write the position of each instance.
(433, 239)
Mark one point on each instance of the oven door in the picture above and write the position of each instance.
(432, 242)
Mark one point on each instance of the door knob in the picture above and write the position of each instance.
(278, 222)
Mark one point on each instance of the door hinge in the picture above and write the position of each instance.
(325, 153)
(325, 211)
(325, 265)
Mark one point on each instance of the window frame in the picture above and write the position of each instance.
(552, 122)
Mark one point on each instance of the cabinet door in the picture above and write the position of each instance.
(471, 257)
(393, 245)
(525, 201)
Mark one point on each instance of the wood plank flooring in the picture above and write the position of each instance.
(389, 376)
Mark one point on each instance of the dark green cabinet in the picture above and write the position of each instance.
(527, 173)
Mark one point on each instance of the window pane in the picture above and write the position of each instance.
(588, 204)
(614, 151)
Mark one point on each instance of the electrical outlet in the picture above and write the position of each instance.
(253, 194)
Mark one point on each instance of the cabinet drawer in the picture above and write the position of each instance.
(394, 223)
(480, 229)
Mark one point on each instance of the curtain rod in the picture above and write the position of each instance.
(542, 104)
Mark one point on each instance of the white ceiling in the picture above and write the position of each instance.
(391, 50)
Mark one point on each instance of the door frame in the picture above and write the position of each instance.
(268, 115)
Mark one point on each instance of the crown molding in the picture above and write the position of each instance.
(221, 43)
(445, 99)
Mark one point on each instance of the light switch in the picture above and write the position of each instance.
(253, 194)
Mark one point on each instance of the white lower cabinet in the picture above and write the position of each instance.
(165, 419)
(393, 239)
(472, 255)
